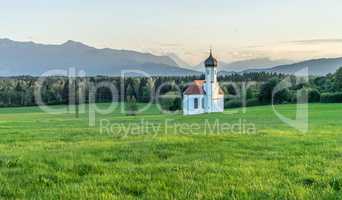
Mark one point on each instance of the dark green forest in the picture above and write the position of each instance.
(255, 88)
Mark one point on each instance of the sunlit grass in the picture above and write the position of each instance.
(44, 156)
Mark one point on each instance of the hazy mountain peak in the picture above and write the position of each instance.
(6, 41)
(317, 67)
(74, 44)
(3, 40)
(36, 59)
(178, 60)
(256, 63)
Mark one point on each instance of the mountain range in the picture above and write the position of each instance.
(316, 67)
(258, 63)
(28, 58)
(249, 64)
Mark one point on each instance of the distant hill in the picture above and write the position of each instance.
(252, 64)
(317, 67)
(28, 58)
(178, 60)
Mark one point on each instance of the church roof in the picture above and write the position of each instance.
(196, 88)
(210, 61)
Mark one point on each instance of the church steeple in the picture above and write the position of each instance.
(210, 61)
(205, 96)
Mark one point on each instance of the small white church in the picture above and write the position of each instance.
(204, 96)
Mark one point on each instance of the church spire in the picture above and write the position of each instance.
(210, 61)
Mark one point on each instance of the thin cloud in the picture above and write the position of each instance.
(170, 45)
(254, 46)
(318, 41)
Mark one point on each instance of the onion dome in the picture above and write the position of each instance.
(211, 61)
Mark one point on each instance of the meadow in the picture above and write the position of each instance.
(58, 156)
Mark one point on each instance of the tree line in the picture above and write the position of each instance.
(22, 91)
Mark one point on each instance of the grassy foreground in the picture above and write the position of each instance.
(44, 156)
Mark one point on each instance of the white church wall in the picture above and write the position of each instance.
(218, 104)
(189, 105)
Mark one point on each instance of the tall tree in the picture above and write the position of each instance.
(338, 80)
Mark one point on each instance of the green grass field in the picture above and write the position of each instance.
(45, 156)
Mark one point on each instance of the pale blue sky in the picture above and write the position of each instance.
(239, 29)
